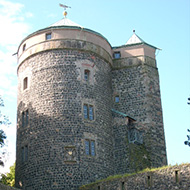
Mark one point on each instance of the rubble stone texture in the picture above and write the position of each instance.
(175, 177)
(128, 134)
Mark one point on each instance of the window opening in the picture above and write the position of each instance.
(48, 36)
(91, 113)
(85, 109)
(24, 47)
(123, 186)
(117, 55)
(86, 75)
(25, 83)
(25, 118)
(25, 153)
(87, 147)
(176, 177)
(116, 99)
(88, 111)
(148, 181)
(90, 147)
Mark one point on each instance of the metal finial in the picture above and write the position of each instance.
(133, 31)
(65, 7)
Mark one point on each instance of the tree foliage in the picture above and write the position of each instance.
(9, 178)
(188, 139)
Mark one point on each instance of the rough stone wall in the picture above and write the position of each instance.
(54, 99)
(136, 81)
(5, 187)
(175, 177)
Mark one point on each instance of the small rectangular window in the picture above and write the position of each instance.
(92, 143)
(24, 47)
(88, 111)
(117, 55)
(87, 147)
(91, 113)
(85, 110)
(123, 186)
(176, 176)
(23, 119)
(90, 147)
(149, 181)
(24, 153)
(86, 75)
(25, 83)
(48, 36)
(26, 117)
(116, 99)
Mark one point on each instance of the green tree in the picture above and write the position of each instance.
(188, 139)
(9, 178)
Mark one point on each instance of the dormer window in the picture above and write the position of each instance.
(25, 83)
(86, 75)
(48, 36)
(117, 55)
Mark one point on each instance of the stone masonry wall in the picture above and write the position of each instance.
(136, 82)
(5, 187)
(169, 178)
(54, 99)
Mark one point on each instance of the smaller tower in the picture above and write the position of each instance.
(137, 116)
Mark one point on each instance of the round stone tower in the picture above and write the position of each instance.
(64, 128)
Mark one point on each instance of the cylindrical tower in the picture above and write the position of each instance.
(64, 129)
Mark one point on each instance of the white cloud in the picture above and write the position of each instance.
(12, 23)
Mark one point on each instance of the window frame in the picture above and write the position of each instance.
(24, 153)
(86, 75)
(90, 150)
(25, 83)
(116, 99)
(24, 47)
(88, 112)
(117, 55)
(48, 36)
(25, 118)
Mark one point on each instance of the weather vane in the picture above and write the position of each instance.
(65, 7)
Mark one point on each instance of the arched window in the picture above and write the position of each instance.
(24, 47)
(25, 83)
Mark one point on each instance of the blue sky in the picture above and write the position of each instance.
(161, 23)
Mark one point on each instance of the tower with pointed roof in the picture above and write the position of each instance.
(86, 110)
